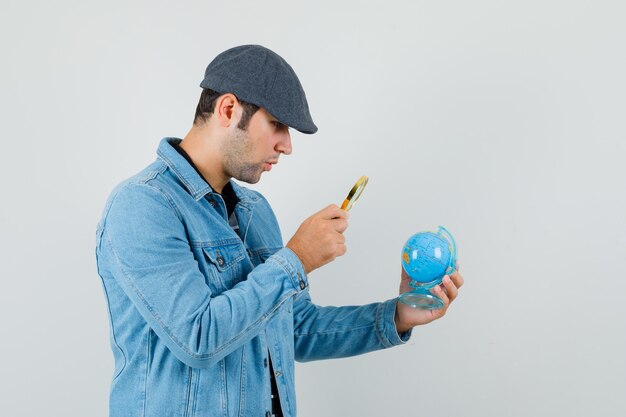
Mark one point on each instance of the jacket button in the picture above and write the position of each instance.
(301, 281)
(278, 373)
(268, 414)
(220, 261)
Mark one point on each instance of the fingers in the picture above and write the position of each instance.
(341, 244)
(333, 212)
(340, 225)
(342, 249)
(438, 291)
(319, 239)
(337, 239)
(337, 216)
(447, 291)
(451, 290)
(457, 279)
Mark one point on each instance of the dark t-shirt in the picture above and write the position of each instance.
(228, 194)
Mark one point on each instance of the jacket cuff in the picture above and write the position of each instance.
(289, 261)
(386, 325)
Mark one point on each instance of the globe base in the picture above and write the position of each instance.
(421, 299)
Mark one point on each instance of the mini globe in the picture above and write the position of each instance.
(426, 258)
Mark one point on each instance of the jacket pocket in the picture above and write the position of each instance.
(223, 264)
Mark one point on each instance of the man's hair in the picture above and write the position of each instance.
(206, 107)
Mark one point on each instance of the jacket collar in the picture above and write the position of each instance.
(195, 184)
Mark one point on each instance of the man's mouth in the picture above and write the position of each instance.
(268, 165)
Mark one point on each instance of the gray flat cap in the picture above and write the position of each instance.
(260, 76)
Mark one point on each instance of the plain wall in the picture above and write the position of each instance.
(503, 121)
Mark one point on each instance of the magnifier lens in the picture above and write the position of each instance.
(355, 193)
(359, 191)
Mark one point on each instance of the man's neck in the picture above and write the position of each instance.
(203, 149)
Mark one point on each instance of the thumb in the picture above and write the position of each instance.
(333, 212)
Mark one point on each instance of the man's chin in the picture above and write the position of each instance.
(250, 179)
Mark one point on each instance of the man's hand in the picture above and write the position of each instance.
(319, 239)
(409, 317)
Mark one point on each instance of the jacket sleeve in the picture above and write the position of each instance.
(144, 247)
(337, 332)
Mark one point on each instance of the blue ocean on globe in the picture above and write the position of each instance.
(426, 257)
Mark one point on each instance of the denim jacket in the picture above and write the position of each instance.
(194, 308)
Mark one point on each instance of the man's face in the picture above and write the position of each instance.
(248, 153)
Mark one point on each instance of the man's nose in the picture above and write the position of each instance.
(284, 144)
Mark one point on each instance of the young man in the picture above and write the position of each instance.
(208, 308)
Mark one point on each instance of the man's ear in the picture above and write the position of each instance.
(226, 109)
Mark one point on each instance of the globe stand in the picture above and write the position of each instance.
(421, 297)
(426, 258)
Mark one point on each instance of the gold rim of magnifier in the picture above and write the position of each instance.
(355, 193)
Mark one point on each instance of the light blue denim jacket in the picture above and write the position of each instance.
(194, 308)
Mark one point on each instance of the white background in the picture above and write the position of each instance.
(503, 121)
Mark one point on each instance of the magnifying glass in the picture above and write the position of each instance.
(354, 193)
